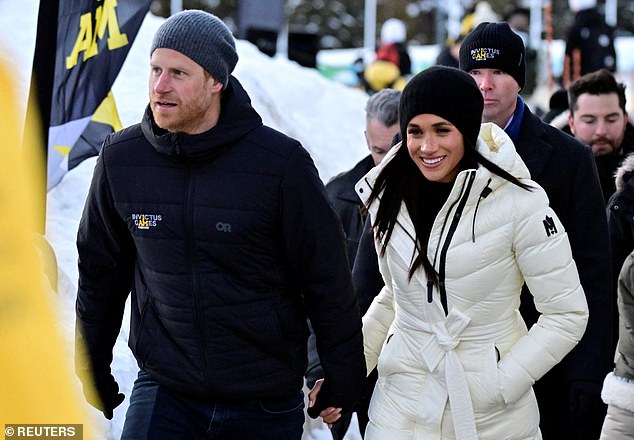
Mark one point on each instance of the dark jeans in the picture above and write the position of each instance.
(157, 413)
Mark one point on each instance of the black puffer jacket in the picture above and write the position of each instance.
(228, 243)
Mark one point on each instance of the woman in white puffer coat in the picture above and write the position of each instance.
(459, 228)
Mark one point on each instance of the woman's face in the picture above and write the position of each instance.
(436, 147)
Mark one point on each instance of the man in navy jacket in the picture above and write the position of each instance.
(221, 229)
(568, 395)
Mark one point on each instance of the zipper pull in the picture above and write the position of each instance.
(430, 291)
(177, 147)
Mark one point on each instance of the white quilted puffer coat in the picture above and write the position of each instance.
(468, 373)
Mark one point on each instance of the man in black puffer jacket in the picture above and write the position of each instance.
(221, 229)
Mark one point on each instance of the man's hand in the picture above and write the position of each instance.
(107, 396)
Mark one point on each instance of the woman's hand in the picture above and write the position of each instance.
(329, 415)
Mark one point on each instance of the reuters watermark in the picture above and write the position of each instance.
(43, 432)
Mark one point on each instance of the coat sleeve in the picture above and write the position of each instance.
(366, 276)
(379, 317)
(315, 248)
(106, 262)
(620, 230)
(544, 257)
(587, 231)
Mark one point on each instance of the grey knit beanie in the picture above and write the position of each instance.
(201, 36)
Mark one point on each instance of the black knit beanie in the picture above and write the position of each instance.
(446, 92)
(494, 46)
(201, 36)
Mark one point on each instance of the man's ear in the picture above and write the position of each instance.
(217, 86)
(571, 124)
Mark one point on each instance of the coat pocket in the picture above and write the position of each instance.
(387, 358)
(483, 378)
(396, 356)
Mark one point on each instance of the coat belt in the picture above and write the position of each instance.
(445, 336)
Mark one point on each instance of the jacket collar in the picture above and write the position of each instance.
(352, 176)
(513, 129)
(237, 118)
(626, 169)
(535, 150)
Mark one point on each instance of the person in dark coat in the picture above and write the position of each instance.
(448, 55)
(381, 124)
(618, 388)
(568, 395)
(620, 211)
(381, 117)
(598, 118)
(589, 43)
(221, 229)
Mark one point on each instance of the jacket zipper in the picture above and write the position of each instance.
(483, 195)
(447, 242)
(430, 283)
(193, 280)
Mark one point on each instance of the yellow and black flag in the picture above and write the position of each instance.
(93, 38)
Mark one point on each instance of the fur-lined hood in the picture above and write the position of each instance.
(624, 171)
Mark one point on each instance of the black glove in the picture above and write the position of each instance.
(107, 396)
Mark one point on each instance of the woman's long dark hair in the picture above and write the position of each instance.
(401, 181)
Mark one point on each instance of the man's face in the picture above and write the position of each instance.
(499, 90)
(379, 138)
(181, 93)
(599, 122)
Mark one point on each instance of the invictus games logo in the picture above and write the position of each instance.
(146, 221)
(484, 53)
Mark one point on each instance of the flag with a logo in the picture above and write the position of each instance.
(93, 40)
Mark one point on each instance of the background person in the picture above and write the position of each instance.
(569, 394)
(381, 125)
(381, 112)
(618, 388)
(589, 43)
(598, 119)
(393, 46)
(392, 64)
(620, 211)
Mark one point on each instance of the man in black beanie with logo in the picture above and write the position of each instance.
(569, 395)
(221, 229)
